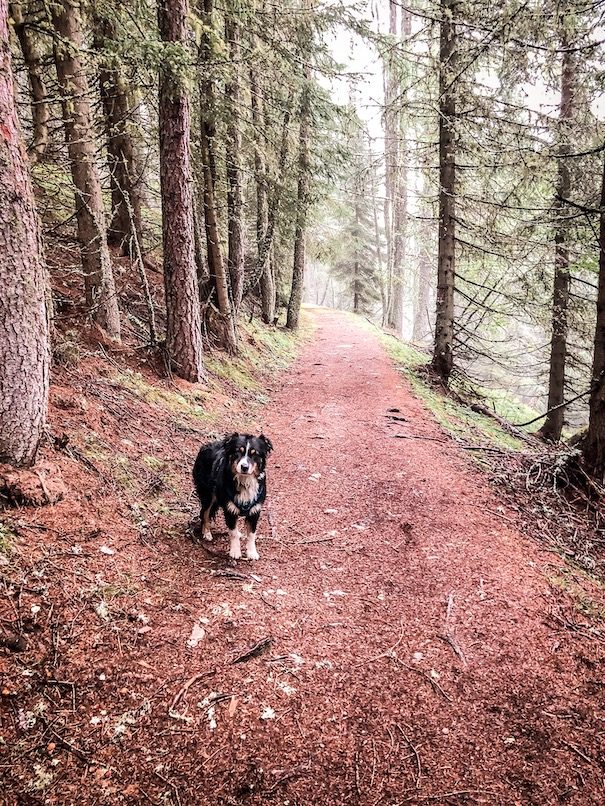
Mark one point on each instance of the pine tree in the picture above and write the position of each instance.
(183, 318)
(24, 336)
(99, 282)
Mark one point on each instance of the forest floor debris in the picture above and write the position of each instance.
(358, 699)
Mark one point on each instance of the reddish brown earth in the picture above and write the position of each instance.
(418, 651)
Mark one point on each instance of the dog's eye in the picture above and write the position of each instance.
(240, 450)
(252, 453)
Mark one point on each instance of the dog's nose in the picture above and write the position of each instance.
(245, 467)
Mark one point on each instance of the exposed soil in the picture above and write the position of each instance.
(419, 650)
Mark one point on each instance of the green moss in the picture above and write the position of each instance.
(234, 371)
(7, 538)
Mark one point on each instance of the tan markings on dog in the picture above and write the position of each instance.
(206, 533)
(255, 509)
(233, 508)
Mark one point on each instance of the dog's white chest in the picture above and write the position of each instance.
(247, 490)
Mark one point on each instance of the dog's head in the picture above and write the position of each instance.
(247, 454)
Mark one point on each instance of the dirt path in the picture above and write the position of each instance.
(418, 653)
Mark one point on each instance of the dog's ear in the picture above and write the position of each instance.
(229, 440)
(266, 443)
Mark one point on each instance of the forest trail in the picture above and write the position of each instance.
(436, 658)
(417, 652)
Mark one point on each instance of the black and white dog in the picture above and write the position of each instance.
(229, 474)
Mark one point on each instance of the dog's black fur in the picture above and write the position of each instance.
(230, 474)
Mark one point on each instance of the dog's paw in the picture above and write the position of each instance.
(235, 552)
(252, 553)
(207, 536)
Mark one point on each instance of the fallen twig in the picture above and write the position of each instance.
(184, 689)
(415, 752)
(258, 649)
(447, 636)
(417, 436)
(577, 750)
(455, 792)
(449, 639)
(172, 785)
(434, 684)
(390, 652)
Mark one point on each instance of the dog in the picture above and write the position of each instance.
(230, 474)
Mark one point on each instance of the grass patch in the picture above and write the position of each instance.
(455, 418)
(572, 581)
(263, 352)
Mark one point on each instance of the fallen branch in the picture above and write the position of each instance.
(449, 639)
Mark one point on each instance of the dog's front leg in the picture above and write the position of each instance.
(235, 550)
(251, 550)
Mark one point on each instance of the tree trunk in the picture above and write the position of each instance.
(443, 354)
(126, 221)
(183, 317)
(302, 205)
(235, 229)
(24, 338)
(593, 446)
(266, 278)
(400, 195)
(421, 327)
(377, 239)
(77, 116)
(553, 424)
(216, 262)
(39, 97)
(421, 324)
(390, 163)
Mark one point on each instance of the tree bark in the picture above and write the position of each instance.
(24, 336)
(216, 262)
(183, 313)
(400, 193)
(266, 278)
(235, 229)
(443, 353)
(390, 163)
(553, 424)
(35, 75)
(302, 204)
(78, 122)
(593, 445)
(421, 325)
(377, 238)
(126, 220)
